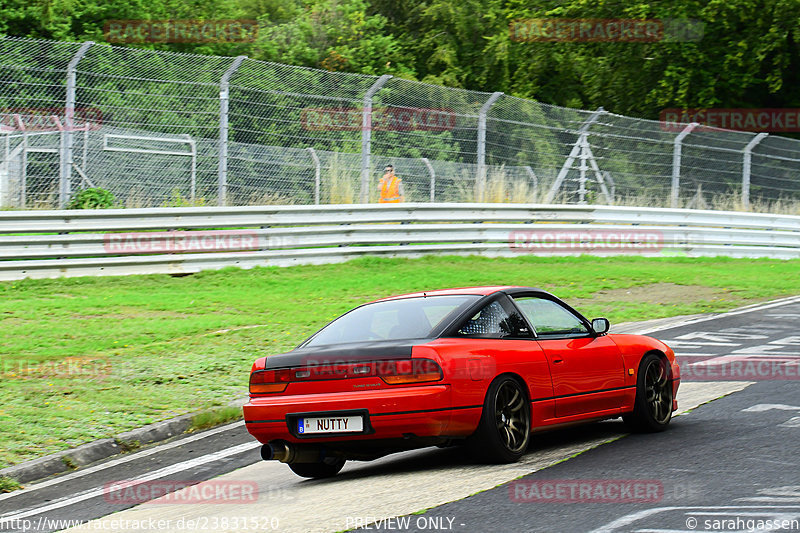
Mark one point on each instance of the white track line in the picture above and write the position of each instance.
(740, 311)
(121, 460)
(166, 471)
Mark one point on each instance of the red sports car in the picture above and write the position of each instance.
(482, 366)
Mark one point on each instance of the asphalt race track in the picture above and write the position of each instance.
(722, 466)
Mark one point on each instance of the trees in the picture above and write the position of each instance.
(748, 55)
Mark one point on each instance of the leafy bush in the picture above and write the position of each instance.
(92, 198)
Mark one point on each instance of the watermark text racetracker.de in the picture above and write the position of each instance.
(586, 491)
(315, 368)
(380, 119)
(181, 31)
(161, 242)
(49, 119)
(69, 367)
(580, 241)
(739, 368)
(774, 120)
(605, 30)
(132, 492)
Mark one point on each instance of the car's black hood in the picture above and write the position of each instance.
(345, 353)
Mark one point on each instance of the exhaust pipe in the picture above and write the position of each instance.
(287, 453)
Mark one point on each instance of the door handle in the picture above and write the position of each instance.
(557, 361)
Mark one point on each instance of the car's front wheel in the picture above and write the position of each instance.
(329, 467)
(653, 405)
(505, 427)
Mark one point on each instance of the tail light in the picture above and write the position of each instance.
(397, 372)
(410, 371)
(266, 381)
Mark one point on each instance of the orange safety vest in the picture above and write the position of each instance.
(390, 190)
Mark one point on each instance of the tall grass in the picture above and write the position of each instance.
(340, 185)
(500, 187)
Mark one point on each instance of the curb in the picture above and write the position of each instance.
(69, 460)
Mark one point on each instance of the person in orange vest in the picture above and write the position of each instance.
(391, 187)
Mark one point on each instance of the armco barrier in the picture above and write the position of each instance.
(47, 244)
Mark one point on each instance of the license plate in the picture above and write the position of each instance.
(330, 424)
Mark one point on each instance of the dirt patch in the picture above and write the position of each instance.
(126, 312)
(656, 293)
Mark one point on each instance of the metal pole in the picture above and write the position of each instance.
(599, 176)
(366, 135)
(85, 146)
(534, 178)
(5, 177)
(577, 149)
(317, 171)
(676, 163)
(610, 179)
(747, 166)
(23, 185)
(193, 178)
(482, 143)
(432, 174)
(582, 168)
(65, 173)
(222, 170)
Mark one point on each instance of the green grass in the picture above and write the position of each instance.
(215, 417)
(87, 358)
(8, 484)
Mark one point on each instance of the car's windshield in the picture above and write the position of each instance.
(407, 318)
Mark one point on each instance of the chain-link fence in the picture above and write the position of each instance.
(160, 128)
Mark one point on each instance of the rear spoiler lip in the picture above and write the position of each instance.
(344, 353)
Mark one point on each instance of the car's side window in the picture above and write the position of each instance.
(493, 321)
(549, 318)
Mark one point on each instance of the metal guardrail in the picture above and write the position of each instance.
(48, 244)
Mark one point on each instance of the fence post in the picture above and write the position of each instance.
(482, 143)
(193, 177)
(5, 173)
(317, 169)
(676, 163)
(577, 149)
(610, 180)
(534, 178)
(582, 168)
(23, 175)
(224, 98)
(65, 163)
(747, 166)
(366, 134)
(432, 174)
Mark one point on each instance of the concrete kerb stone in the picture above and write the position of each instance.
(92, 452)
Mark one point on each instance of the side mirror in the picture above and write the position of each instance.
(600, 325)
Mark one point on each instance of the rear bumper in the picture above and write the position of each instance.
(424, 411)
(676, 381)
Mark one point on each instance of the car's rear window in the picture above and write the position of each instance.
(407, 318)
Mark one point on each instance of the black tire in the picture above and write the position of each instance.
(504, 431)
(652, 409)
(327, 468)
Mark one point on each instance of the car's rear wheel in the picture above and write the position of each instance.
(505, 427)
(653, 405)
(328, 467)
